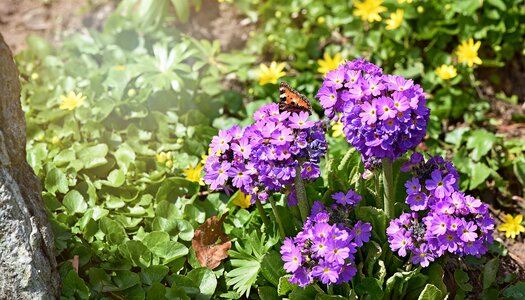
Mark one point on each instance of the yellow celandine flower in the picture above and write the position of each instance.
(468, 52)
(446, 72)
(242, 200)
(328, 63)
(337, 129)
(395, 19)
(272, 74)
(55, 140)
(71, 101)
(161, 157)
(194, 173)
(369, 10)
(512, 226)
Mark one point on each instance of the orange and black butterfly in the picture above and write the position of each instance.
(293, 101)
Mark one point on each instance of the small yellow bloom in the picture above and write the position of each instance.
(71, 101)
(132, 92)
(272, 74)
(194, 173)
(161, 157)
(468, 52)
(35, 76)
(446, 72)
(328, 63)
(512, 226)
(169, 164)
(120, 68)
(395, 20)
(242, 200)
(403, 1)
(337, 129)
(369, 10)
(321, 20)
(55, 140)
(204, 158)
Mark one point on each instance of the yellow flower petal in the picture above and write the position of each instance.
(270, 74)
(71, 100)
(468, 52)
(446, 72)
(328, 63)
(395, 20)
(194, 173)
(512, 226)
(242, 200)
(369, 10)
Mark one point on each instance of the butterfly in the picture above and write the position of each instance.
(293, 101)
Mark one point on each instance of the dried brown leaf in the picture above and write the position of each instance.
(210, 243)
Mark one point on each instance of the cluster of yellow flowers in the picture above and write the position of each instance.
(467, 52)
(165, 158)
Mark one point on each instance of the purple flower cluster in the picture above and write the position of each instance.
(325, 249)
(264, 156)
(383, 115)
(443, 218)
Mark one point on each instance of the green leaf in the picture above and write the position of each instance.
(268, 293)
(515, 292)
(182, 9)
(285, 286)
(455, 137)
(435, 274)
(498, 3)
(124, 156)
(479, 173)
(73, 286)
(115, 233)
(306, 293)
(136, 253)
(462, 279)
(153, 274)
(519, 171)
(244, 274)
(480, 142)
(430, 292)
(369, 286)
(156, 291)
(170, 251)
(56, 181)
(490, 271)
(116, 178)
(74, 202)
(93, 156)
(272, 267)
(205, 280)
(175, 187)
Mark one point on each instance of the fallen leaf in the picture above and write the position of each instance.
(210, 243)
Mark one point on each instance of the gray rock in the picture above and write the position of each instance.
(27, 260)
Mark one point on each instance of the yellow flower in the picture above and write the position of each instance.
(446, 72)
(71, 101)
(468, 52)
(194, 173)
(369, 10)
(161, 157)
(272, 74)
(395, 20)
(242, 200)
(55, 140)
(321, 20)
(328, 63)
(512, 226)
(35, 76)
(337, 129)
(120, 68)
(403, 1)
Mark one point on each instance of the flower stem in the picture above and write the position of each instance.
(388, 184)
(378, 190)
(264, 218)
(318, 289)
(330, 289)
(278, 216)
(300, 190)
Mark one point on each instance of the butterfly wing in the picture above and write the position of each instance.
(293, 101)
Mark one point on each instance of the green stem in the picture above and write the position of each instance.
(300, 190)
(264, 218)
(388, 184)
(378, 191)
(330, 289)
(318, 289)
(278, 217)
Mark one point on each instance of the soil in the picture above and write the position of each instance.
(53, 19)
(49, 18)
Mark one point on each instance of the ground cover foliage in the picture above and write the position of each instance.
(121, 122)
